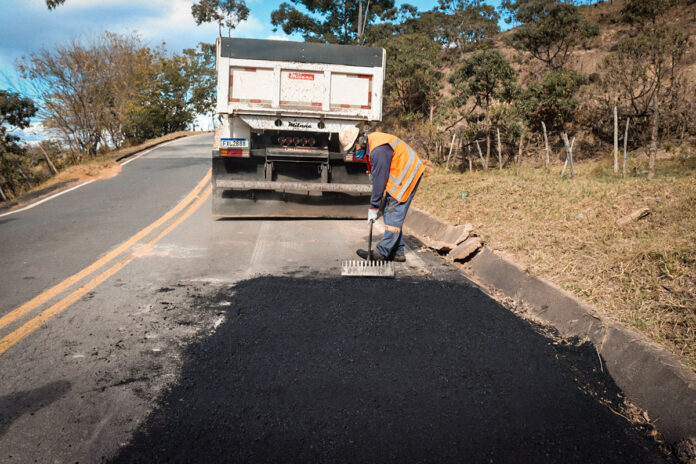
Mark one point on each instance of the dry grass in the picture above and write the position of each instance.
(642, 273)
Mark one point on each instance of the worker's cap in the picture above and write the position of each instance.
(348, 136)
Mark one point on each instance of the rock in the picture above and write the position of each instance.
(434, 233)
(465, 249)
(634, 216)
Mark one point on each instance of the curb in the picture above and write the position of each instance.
(650, 376)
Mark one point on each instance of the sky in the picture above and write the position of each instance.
(27, 26)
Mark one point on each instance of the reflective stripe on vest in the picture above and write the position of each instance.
(407, 167)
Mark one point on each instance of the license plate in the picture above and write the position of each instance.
(234, 143)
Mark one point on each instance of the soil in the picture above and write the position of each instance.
(410, 370)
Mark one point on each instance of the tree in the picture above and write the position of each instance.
(96, 93)
(644, 71)
(413, 77)
(226, 13)
(553, 101)
(468, 22)
(549, 30)
(327, 21)
(199, 67)
(15, 113)
(642, 12)
(487, 77)
(52, 4)
(84, 88)
(162, 102)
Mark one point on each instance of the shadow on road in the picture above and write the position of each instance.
(306, 370)
(14, 405)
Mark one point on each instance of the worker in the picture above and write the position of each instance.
(396, 170)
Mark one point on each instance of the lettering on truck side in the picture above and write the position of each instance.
(301, 76)
(301, 125)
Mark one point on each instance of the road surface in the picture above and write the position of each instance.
(134, 328)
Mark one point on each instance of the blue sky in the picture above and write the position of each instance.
(27, 25)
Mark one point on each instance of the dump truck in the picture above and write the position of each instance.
(281, 105)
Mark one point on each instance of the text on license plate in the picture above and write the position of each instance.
(234, 143)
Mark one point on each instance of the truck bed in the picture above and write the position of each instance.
(302, 79)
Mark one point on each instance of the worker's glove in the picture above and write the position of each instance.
(369, 174)
(372, 214)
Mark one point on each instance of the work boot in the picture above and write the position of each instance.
(399, 258)
(375, 255)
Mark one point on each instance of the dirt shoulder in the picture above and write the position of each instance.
(103, 167)
(638, 271)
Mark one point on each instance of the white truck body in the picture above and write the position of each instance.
(282, 105)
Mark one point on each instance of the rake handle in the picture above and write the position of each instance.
(369, 242)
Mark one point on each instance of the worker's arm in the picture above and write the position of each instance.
(380, 160)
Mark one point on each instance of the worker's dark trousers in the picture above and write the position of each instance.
(394, 216)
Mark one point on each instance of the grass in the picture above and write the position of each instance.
(565, 230)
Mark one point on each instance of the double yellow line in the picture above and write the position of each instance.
(179, 214)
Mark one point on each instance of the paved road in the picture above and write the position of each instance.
(193, 340)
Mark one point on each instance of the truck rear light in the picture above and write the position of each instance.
(296, 140)
(311, 141)
(231, 152)
(281, 140)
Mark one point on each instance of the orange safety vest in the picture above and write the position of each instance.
(406, 168)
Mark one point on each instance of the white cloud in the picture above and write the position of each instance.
(178, 29)
(278, 37)
(35, 133)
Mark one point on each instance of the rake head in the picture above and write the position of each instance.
(358, 268)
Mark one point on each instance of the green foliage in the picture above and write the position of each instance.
(15, 113)
(326, 21)
(199, 67)
(641, 11)
(226, 13)
(549, 30)
(467, 23)
(485, 75)
(102, 92)
(552, 101)
(642, 64)
(413, 76)
(403, 20)
(52, 4)
(161, 104)
(645, 72)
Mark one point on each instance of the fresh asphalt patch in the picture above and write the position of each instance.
(302, 369)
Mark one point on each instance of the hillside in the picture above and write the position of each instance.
(592, 122)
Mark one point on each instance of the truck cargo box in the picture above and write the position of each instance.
(282, 105)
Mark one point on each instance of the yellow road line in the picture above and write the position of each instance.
(57, 289)
(14, 337)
